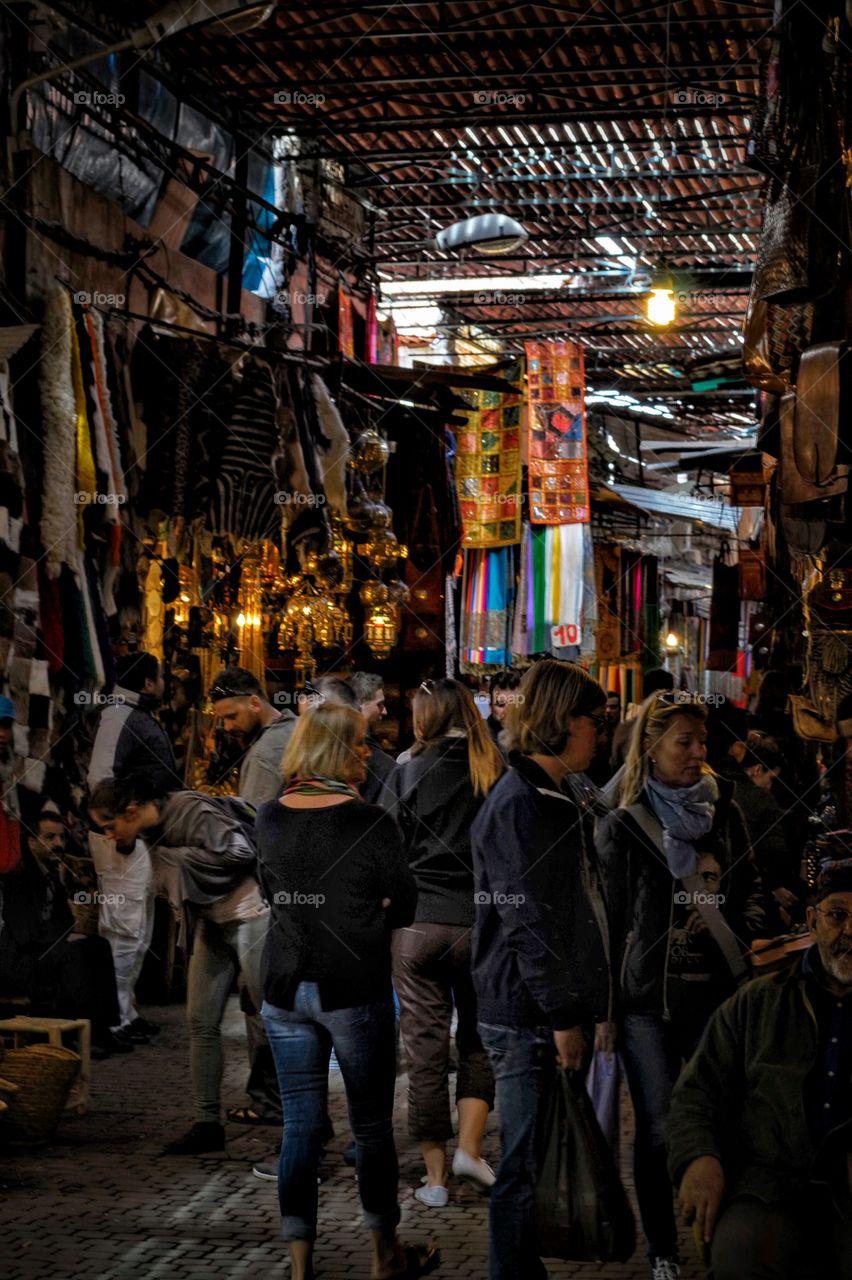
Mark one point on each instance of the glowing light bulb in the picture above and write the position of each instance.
(672, 640)
(241, 620)
(661, 307)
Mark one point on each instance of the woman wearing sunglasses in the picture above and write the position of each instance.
(685, 900)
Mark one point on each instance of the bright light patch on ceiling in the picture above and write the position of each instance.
(609, 245)
(472, 284)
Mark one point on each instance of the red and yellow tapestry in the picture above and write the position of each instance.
(558, 463)
(488, 469)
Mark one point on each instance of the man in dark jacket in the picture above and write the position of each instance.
(370, 695)
(502, 690)
(64, 973)
(760, 1126)
(540, 954)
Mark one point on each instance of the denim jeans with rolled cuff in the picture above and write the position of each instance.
(363, 1039)
(524, 1064)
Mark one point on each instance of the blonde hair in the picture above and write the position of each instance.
(654, 719)
(442, 706)
(324, 744)
(550, 693)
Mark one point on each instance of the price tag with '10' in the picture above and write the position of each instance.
(565, 634)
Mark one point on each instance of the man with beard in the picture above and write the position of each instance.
(129, 741)
(262, 732)
(760, 1127)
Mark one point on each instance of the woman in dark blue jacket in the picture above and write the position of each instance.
(540, 944)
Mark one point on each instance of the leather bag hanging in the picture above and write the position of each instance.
(823, 404)
(830, 601)
(774, 336)
(798, 452)
(424, 577)
(724, 614)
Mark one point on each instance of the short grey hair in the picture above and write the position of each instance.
(365, 685)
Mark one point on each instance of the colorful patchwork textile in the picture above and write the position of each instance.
(488, 469)
(558, 466)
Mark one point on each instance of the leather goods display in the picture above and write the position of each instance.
(773, 339)
(808, 724)
(752, 573)
(830, 601)
(424, 577)
(799, 486)
(724, 615)
(823, 402)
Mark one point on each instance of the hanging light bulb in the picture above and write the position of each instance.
(673, 641)
(661, 301)
(241, 620)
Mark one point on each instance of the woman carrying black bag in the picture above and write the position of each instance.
(540, 948)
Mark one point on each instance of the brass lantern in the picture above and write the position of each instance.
(380, 630)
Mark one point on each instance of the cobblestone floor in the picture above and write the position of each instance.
(100, 1203)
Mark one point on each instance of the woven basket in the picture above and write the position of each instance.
(44, 1075)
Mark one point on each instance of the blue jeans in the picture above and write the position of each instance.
(653, 1052)
(363, 1039)
(524, 1063)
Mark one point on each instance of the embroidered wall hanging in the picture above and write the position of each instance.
(488, 469)
(558, 465)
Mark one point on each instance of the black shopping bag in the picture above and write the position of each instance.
(582, 1211)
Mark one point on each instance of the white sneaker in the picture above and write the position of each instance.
(477, 1171)
(432, 1197)
(665, 1269)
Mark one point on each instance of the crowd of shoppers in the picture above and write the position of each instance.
(518, 918)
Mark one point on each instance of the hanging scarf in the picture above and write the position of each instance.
(685, 814)
(319, 786)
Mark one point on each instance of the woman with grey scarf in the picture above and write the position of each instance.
(685, 903)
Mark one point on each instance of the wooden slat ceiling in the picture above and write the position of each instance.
(621, 118)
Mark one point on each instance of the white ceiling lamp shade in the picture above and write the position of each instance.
(491, 233)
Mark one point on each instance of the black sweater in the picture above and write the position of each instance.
(540, 942)
(325, 873)
(435, 809)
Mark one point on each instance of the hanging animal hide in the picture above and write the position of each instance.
(333, 456)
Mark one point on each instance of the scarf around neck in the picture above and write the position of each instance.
(319, 786)
(685, 814)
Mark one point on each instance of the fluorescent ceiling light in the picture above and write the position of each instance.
(436, 288)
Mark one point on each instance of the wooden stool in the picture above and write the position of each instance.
(53, 1029)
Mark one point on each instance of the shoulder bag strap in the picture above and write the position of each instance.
(720, 930)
